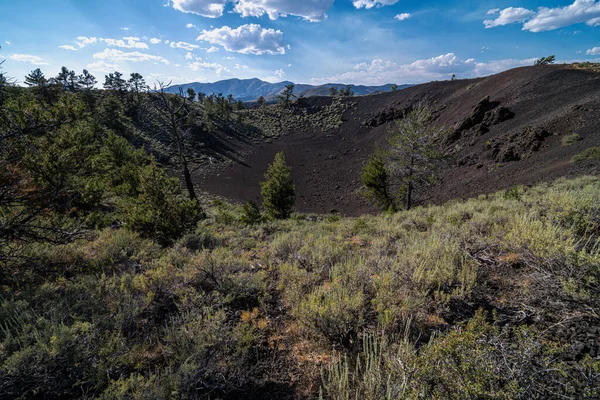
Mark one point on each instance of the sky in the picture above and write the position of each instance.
(370, 42)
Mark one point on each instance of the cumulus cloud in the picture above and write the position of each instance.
(246, 39)
(373, 3)
(212, 49)
(280, 73)
(126, 42)
(83, 41)
(509, 16)
(442, 67)
(548, 19)
(311, 10)
(183, 45)
(189, 56)
(103, 66)
(205, 8)
(27, 58)
(240, 66)
(594, 51)
(214, 67)
(67, 47)
(135, 56)
(403, 16)
(155, 41)
(190, 26)
(493, 11)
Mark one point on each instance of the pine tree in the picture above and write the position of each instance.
(87, 80)
(278, 190)
(286, 96)
(416, 151)
(36, 79)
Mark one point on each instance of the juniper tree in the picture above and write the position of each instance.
(278, 190)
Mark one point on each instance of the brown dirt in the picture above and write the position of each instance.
(548, 103)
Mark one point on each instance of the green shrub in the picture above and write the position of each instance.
(160, 212)
(251, 214)
(570, 140)
(592, 153)
(278, 190)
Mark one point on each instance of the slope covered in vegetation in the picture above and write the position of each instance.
(117, 282)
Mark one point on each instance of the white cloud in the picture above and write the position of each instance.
(379, 71)
(493, 11)
(27, 58)
(102, 66)
(83, 41)
(548, 19)
(127, 43)
(280, 73)
(509, 16)
(212, 49)
(189, 26)
(246, 39)
(183, 45)
(373, 3)
(205, 8)
(155, 41)
(214, 67)
(7, 42)
(403, 16)
(311, 10)
(68, 47)
(189, 56)
(240, 66)
(125, 28)
(229, 58)
(594, 51)
(135, 56)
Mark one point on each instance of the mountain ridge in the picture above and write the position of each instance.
(252, 89)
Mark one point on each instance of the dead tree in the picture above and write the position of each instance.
(174, 110)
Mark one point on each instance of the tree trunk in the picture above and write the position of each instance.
(409, 189)
(188, 182)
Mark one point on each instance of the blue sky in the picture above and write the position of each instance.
(306, 41)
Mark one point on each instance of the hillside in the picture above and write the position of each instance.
(515, 138)
(252, 89)
(118, 282)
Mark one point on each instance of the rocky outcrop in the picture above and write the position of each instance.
(517, 145)
(484, 115)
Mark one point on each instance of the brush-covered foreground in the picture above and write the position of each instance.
(495, 297)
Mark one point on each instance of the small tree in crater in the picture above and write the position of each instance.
(278, 190)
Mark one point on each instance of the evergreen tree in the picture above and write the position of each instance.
(36, 78)
(261, 101)
(87, 80)
(375, 178)
(115, 82)
(278, 190)
(68, 80)
(286, 96)
(416, 151)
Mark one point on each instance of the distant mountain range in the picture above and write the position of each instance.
(252, 89)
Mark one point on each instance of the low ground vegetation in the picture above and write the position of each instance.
(484, 298)
(115, 284)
